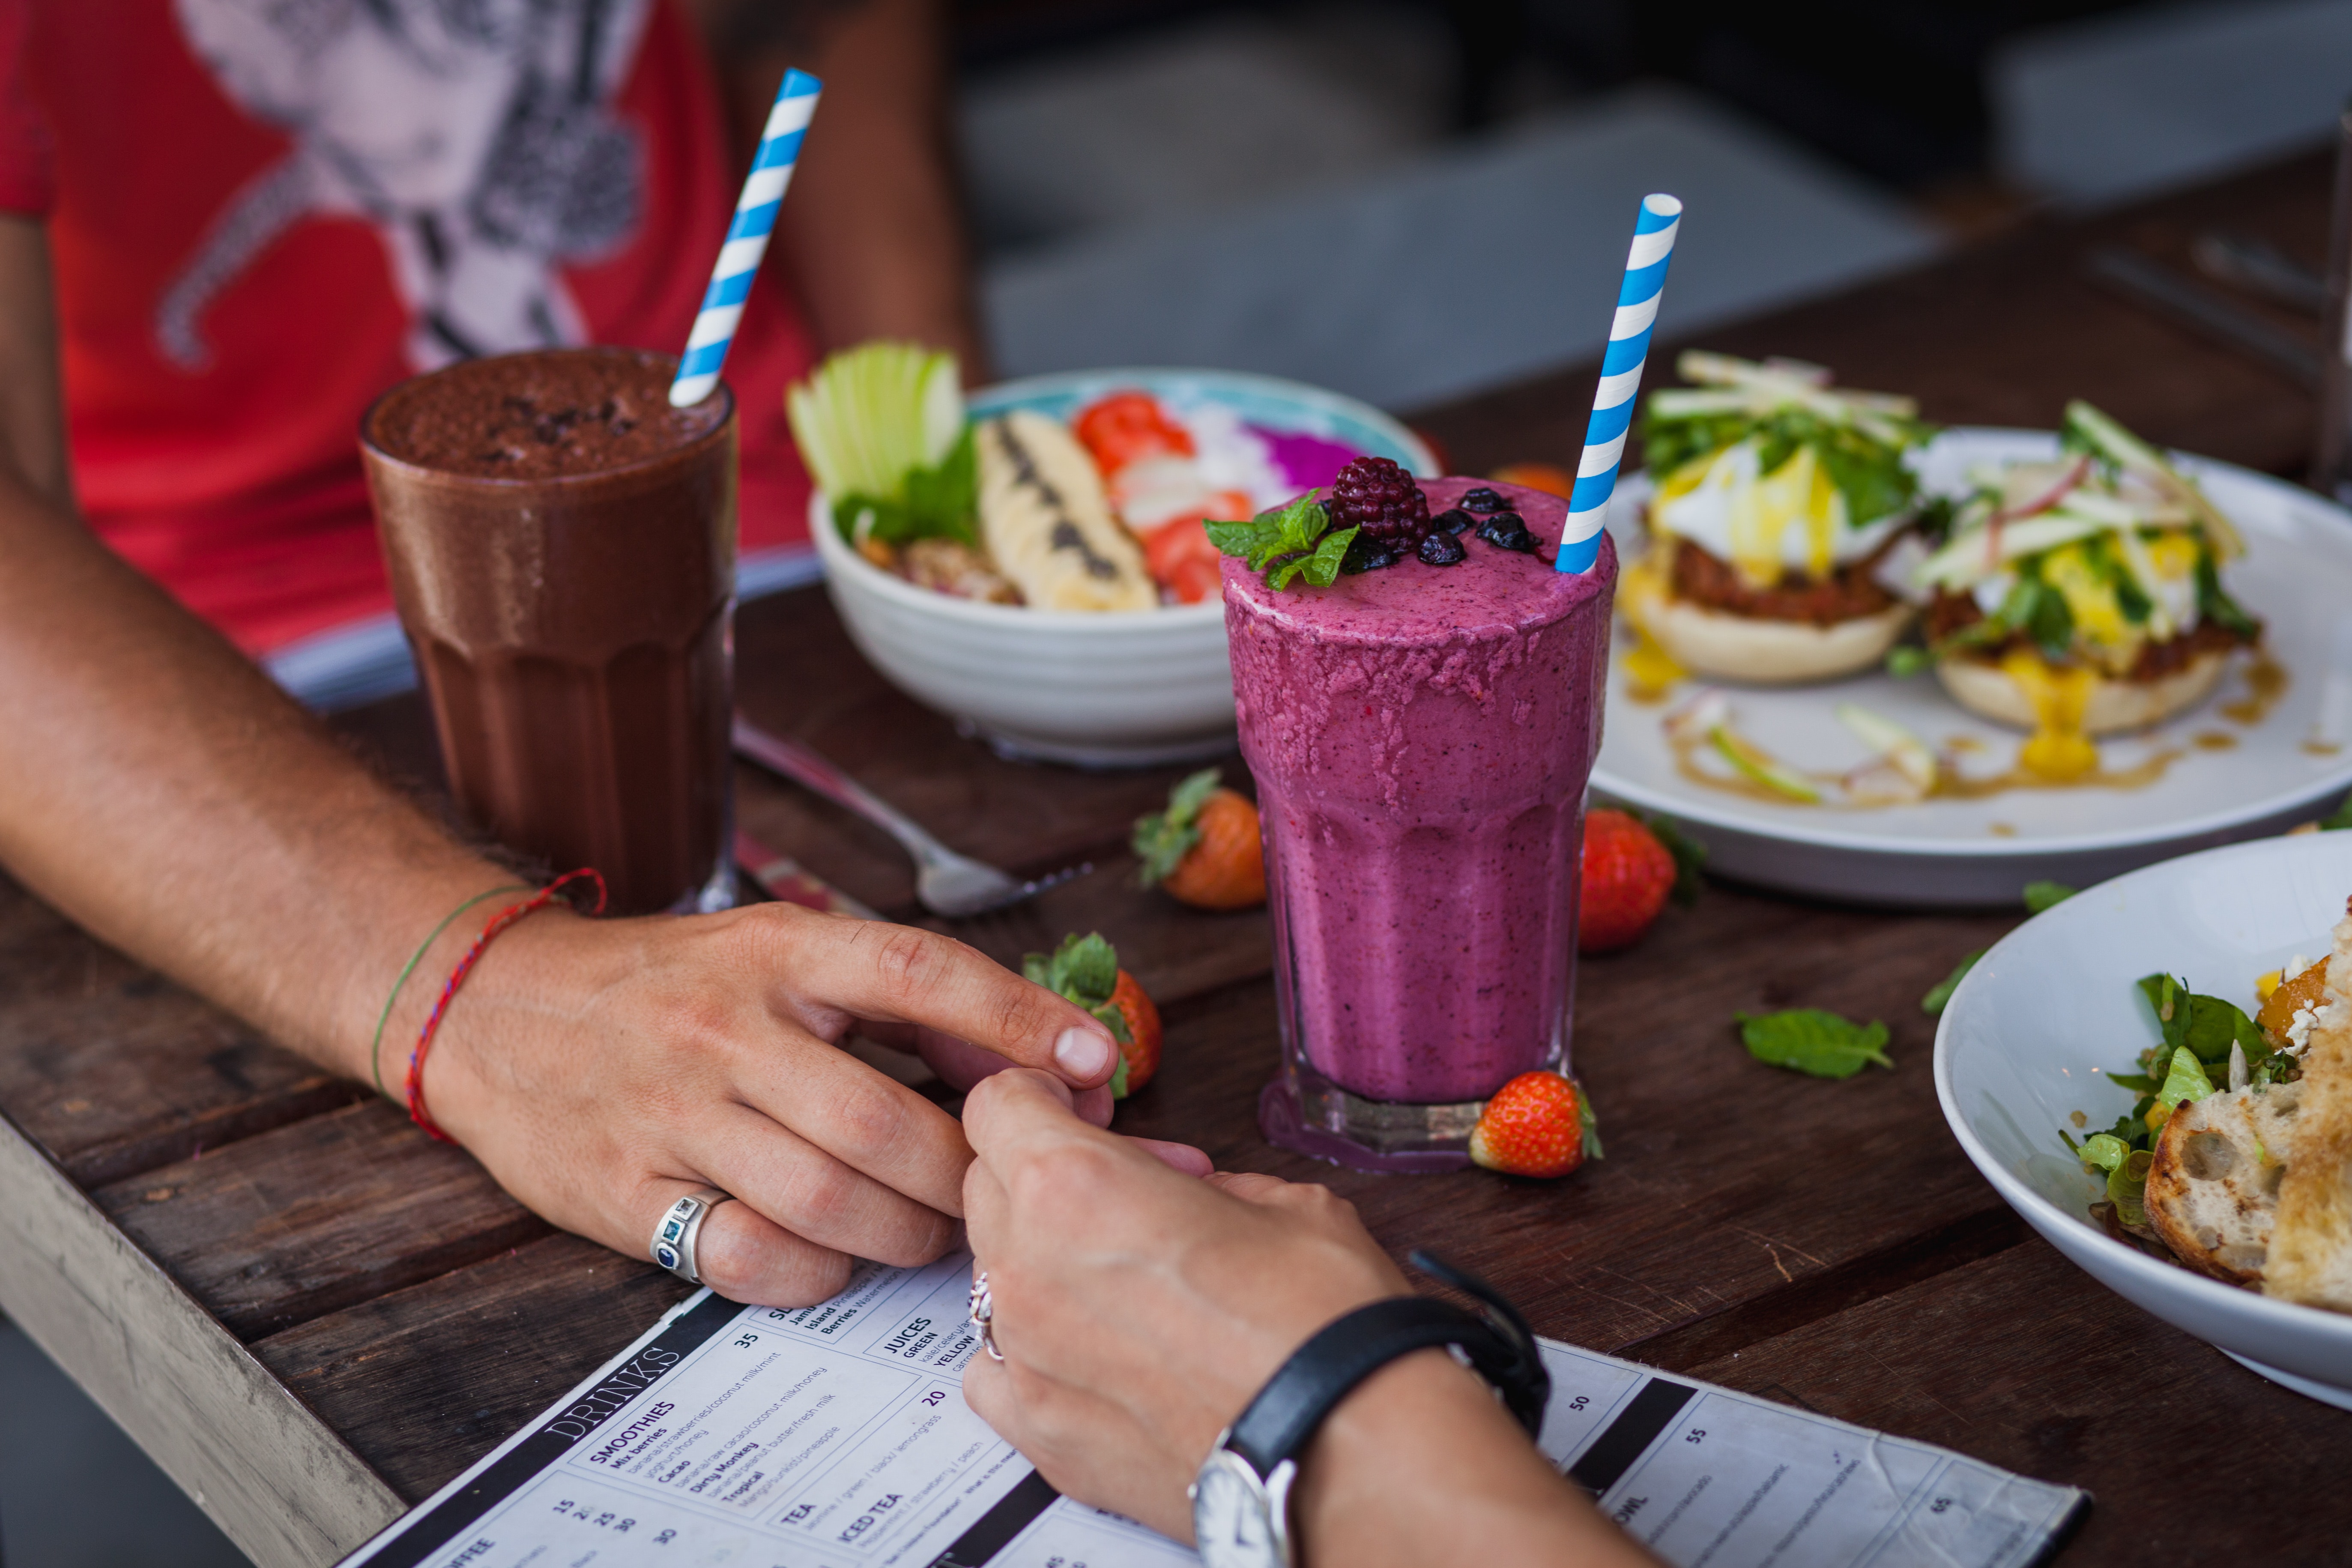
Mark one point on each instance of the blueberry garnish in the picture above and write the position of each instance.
(1452, 521)
(1366, 556)
(1441, 549)
(1507, 530)
(1481, 499)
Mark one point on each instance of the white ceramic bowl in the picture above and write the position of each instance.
(2032, 1032)
(1100, 690)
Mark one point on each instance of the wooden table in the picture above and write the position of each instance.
(311, 1316)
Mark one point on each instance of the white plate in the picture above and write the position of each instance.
(2031, 1034)
(2296, 577)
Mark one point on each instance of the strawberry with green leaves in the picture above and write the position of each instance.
(1205, 848)
(1084, 970)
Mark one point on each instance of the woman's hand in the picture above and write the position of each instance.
(1138, 1310)
(603, 1070)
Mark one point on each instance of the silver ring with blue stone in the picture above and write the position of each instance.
(680, 1228)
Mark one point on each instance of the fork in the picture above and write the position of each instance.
(948, 884)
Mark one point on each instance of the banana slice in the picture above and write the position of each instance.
(1046, 520)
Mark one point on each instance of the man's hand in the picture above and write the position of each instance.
(603, 1070)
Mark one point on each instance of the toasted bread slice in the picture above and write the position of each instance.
(2311, 1245)
(2212, 1189)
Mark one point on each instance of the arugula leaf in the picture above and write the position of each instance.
(1808, 1040)
(1084, 970)
(2339, 819)
(2205, 1026)
(1910, 660)
(1870, 473)
(1933, 1002)
(2217, 607)
(2040, 896)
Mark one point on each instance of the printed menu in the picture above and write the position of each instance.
(837, 1437)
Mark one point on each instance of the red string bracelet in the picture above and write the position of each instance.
(499, 922)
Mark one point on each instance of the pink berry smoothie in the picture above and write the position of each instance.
(1421, 737)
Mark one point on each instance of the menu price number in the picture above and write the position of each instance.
(606, 1520)
(745, 1342)
(1066, 1563)
(937, 1397)
(876, 1512)
(1695, 1435)
(1580, 1402)
(1940, 1504)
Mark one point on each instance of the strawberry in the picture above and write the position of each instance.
(1181, 560)
(1538, 1124)
(1205, 848)
(1084, 970)
(1628, 875)
(1139, 1052)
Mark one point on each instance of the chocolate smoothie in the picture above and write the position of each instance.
(561, 544)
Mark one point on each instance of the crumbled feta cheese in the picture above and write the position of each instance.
(2299, 1027)
(2294, 966)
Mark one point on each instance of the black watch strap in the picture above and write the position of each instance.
(1304, 1389)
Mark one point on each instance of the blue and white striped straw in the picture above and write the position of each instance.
(747, 240)
(1621, 379)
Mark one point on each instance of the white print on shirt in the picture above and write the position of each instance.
(475, 135)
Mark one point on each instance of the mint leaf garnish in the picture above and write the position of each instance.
(1808, 1040)
(1288, 542)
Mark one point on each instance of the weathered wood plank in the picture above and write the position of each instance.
(423, 1381)
(1727, 1183)
(114, 1071)
(317, 1216)
(2023, 1361)
(282, 1486)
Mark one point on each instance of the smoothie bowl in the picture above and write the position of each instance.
(1035, 563)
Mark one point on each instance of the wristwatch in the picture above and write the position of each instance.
(1241, 1499)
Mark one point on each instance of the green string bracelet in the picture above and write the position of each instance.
(375, 1050)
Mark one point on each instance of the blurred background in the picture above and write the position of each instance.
(1269, 185)
(1256, 185)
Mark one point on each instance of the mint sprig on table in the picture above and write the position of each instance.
(1288, 542)
(1808, 1040)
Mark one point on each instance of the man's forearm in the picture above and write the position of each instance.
(163, 794)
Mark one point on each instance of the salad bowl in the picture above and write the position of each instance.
(1118, 689)
(2033, 1031)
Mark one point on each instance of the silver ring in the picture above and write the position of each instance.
(981, 1315)
(680, 1228)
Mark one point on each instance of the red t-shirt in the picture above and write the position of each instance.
(263, 213)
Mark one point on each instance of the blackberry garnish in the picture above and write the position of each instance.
(1507, 530)
(1452, 521)
(1481, 499)
(1381, 501)
(1441, 549)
